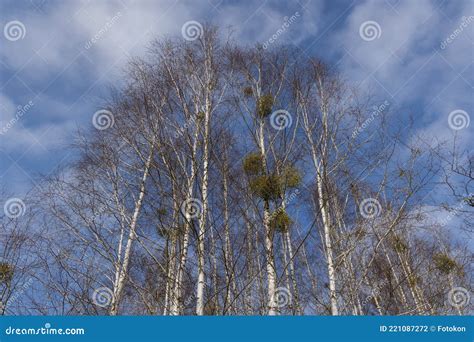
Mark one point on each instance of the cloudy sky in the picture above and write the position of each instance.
(57, 59)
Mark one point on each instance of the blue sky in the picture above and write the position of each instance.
(57, 65)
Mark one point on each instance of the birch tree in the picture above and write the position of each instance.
(221, 179)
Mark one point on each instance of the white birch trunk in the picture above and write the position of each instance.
(176, 307)
(230, 279)
(326, 231)
(202, 218)
(118, 287)
(270, 262)
(171, 257)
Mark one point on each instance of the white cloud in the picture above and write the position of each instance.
(18, 135)
(403, 59)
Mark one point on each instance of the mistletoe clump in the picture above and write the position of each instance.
(399, 245)
(269, 186)
(200, 116)
(291, 177)
(264, 105)
(280, 221)
(266, 187)
(6, 272)
(253, 164)
(248, 91)
(444, 263)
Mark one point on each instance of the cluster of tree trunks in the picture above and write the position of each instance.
(201, 200)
